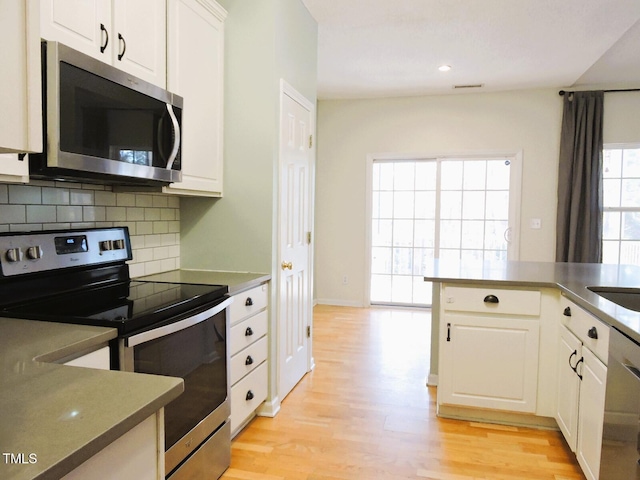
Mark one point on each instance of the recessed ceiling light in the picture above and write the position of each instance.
(444, 68)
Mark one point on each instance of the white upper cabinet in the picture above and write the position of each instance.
(130, 35)
(20, 86)
(195, 69)
(140, 39)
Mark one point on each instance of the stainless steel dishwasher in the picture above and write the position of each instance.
(621, 434)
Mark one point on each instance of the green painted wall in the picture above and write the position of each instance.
(264, 41)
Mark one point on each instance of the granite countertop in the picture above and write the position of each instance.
(237, 281)
(63, 414)
(571, 278)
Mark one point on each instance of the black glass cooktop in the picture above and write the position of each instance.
(129, 306)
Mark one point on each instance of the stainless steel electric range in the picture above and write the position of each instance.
(180, 330)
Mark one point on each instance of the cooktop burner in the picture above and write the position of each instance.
(128, 306)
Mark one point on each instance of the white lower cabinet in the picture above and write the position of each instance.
(489, 340)
(248, 348)
(569, 352)
(136, 455)
(582, 384)
(591, 414)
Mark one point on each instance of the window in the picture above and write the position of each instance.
(621, 204)
(436, 208)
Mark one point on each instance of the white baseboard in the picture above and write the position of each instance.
(432, 380)
(269, 408)
(338, 303)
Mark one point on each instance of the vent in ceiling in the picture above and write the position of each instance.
(476, 85)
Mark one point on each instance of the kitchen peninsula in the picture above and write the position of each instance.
(538, 344)
(572, 279)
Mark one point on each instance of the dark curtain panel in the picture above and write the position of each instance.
(579, 220)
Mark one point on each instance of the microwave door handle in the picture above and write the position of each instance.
(176, 142)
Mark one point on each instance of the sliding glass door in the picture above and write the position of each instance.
(422, 209)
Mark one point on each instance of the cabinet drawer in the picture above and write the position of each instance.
(248, 359)
(247, 303)
(585, 326)
(248, 331)
(247, 395)
(491, 300)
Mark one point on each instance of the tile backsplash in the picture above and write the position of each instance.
(153, 219)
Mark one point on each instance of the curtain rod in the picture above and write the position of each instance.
(562, 92)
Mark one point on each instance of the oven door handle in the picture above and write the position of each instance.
(165, 330)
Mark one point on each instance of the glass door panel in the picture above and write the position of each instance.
(434, 208)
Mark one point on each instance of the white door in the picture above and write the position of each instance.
(294, 295)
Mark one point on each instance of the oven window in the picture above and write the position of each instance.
(197, 355)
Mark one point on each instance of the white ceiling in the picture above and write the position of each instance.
(376, 48)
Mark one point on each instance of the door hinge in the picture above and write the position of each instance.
(308, 237)
(308, 331)
(310, 141)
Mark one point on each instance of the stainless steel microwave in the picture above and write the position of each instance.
(103, 125)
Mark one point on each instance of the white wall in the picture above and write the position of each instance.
(349, 130)
(527, 121)
(621, 122)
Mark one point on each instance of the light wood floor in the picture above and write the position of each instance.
(365, 413)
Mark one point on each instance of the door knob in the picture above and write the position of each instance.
(287, 265)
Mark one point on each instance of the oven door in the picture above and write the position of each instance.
(193, 347)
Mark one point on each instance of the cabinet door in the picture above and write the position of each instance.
(195, 72)
(489, 362)
(591, 414)
(139, 39)
(569, 352)
(12, 169)
(138, 454)
(20, 91)
(84, 25)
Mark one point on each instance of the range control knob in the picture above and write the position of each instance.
(106, 245)
(34, 253)
(13, 255)
(118, 244)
